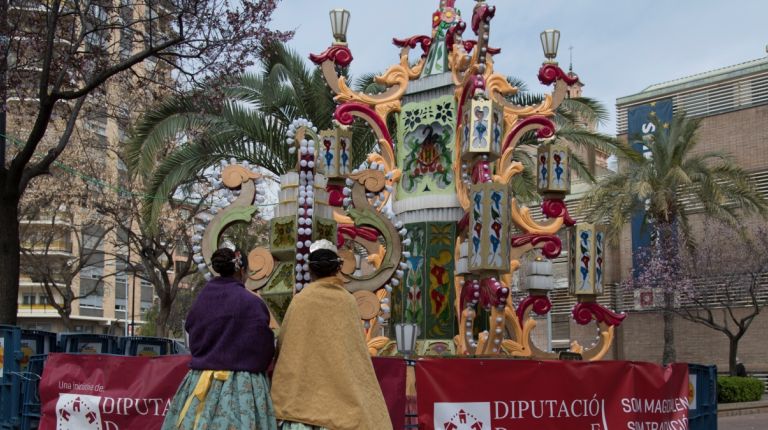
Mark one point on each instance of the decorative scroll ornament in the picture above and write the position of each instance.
(586, 311)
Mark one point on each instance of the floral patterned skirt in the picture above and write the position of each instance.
(221, 400)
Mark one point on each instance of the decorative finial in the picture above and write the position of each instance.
(570, 67)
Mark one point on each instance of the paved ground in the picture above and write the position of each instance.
(743, 422)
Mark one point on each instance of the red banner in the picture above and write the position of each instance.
(391, 375)
(474, 394)
(107, 392)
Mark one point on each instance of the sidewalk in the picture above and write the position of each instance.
(743, 422)
(737, 409)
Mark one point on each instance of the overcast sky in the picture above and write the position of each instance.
(619, 46)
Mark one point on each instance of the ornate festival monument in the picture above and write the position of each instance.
(428, 227)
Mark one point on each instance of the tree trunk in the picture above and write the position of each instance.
(161, 324)
(10, 251)
(67, 321)
(733, 349)
(669, 329)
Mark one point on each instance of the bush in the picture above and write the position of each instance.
(733, 389)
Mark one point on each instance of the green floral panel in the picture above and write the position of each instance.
(439, 285)
(408, 298)
(282, 236)
(425, 148)
(324, 229)
(279, 290)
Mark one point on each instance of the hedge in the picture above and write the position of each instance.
(734, 389)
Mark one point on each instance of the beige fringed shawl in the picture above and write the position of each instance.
(324, 376)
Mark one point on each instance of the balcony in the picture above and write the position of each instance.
(56, 248)
(37, 311)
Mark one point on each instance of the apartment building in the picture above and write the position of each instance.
(68, 244)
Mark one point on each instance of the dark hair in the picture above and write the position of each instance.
(227, 262)
(324, 263)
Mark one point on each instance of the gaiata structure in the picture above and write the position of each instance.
(428, 227)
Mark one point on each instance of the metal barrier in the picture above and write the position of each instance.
(145, 346)
(702, 411)
(86, 343)
(23, 354)
(10, 388)
(30, 406)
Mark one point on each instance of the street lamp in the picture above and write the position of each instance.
(405, 335)
(550, 39)
(339, 25)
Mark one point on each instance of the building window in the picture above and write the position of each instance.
(29, 299)
(43, 300)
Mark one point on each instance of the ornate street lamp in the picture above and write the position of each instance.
(339, 25)
(405, 336)
(550, 39)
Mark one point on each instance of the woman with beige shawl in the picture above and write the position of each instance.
(324, 378)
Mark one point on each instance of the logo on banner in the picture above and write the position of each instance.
(692, 391)
(462, 416)
(78, 412)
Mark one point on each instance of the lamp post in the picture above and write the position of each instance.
(405, 336)
(339, 25)
(550, 40)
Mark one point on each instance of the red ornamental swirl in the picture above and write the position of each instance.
(584, 312)
(544, 127)
(469, 45)
(556, 208)
(339, 54)
(483, 13)
(552, 245)
(454, 33)
(541, 305)
(549, 73)
(470, 293)
(345, 115)
(411, 42)
(347, 231)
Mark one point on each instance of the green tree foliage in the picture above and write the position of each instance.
(674, 180)
(177, 139)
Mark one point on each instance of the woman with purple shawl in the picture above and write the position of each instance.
(232, 346)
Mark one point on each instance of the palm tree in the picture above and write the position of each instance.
(672, 181)
(247, 120)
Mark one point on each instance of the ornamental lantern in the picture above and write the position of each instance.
(553, 170)
(334, 147)
(482, 128)
(587, 259)
(550, 40)
(406, 335)
(539, 275)
(489, 228)
(339, 25)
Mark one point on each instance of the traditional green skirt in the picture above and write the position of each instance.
(221, 400)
